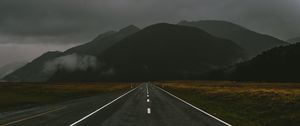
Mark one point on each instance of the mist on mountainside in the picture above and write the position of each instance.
(71, 63)
(9, 68)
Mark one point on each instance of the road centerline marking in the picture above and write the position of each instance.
(147, 88)
(227, 124)
(85, 117)
(149, 110)
(148, 100)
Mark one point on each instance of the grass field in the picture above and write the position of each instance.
(243, 104)
(25, 95)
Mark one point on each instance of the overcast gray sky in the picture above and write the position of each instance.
(31, 27)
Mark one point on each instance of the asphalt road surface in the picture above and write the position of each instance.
(146, 105)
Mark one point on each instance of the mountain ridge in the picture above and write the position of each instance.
(279, 64)
(294, 40)
(34, 71)
(10, 67)
(254, 43)
(160, 52)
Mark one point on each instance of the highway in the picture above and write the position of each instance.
(145, 105)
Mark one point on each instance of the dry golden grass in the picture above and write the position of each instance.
(280, 91)
(243, 103)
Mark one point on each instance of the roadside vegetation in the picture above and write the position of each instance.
(15, 96)
(243, 104)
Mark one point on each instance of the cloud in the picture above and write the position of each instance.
(31, 27)
(76, 21)
(71, 63)
(11, 52)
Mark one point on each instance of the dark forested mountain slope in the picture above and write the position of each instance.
(277, 64)
(103, 41)
(160, 52)
(34, 71)
(10, 67)
(254, 43)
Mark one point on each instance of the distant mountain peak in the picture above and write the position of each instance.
(221, 21)
(34, 71)
(129, 28)
(253, 42)
(294, 40)
(52, 52)
(160, 25)
(214, 22)
(105, 34)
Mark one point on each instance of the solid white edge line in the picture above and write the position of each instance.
(73, 124)
(194, 107)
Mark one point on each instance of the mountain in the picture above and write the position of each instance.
(253, 42)
(294, 40)
(9, 68)
(103, 41)
(160, 52)
(34, 71)
(278, 64)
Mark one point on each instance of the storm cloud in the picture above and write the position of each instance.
(71, 21)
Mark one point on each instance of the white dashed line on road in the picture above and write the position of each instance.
(147, 88)
(148, 110)
(148, 100)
